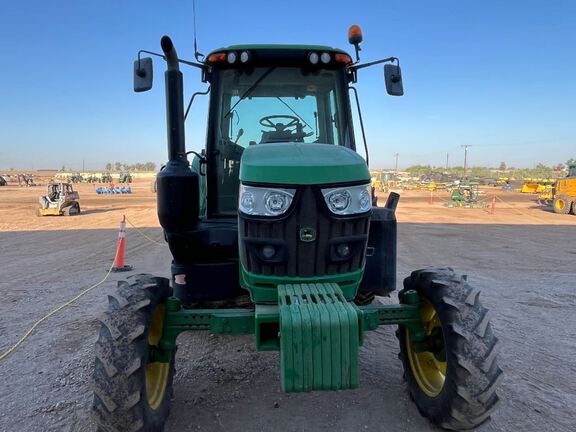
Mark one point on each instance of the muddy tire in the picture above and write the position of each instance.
(574, 207)
(131, 393)
(562, 204)
(453, 383)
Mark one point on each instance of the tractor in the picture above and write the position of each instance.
(274, 233)
(106, 177)
(465, 195)
(60, 200)
(125, 177)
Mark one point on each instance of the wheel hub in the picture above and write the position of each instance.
(429, 367)
(156, 373)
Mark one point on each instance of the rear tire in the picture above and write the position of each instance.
(454, 383)
(562, 204)
(574, 207)
(130, 393)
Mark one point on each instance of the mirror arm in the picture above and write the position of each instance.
(361, 124)
(355, 67)
(186, 62)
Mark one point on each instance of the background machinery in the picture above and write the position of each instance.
(275, 216)
(564, 193)
(465, 194)
(125, 177)
(60, 200)
(106, 177)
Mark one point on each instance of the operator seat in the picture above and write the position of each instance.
(276, 136)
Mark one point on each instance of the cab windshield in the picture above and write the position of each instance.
(281, 104)
(272, 105)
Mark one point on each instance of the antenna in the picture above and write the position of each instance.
(197, 54)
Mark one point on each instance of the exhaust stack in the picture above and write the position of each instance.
(177, 185)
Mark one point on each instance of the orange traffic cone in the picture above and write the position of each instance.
(119, 265)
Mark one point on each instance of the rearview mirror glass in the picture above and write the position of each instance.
(143, 74)
(393, 79)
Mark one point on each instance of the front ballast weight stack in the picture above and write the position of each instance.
(286, 217)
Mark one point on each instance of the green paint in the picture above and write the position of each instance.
(319, 343)
(302, 164)
(264, 289)
(317, 331)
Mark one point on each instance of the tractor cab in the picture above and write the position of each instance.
(270, 94)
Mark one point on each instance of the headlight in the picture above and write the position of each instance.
(260, 201)
(348, 200)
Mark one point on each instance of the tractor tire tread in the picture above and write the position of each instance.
(364, 298)
(567, 204)
(469, 394)
(121, 349)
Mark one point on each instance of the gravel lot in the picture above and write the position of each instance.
(523, 258)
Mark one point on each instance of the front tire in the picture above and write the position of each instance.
(454, 382)
(561, 204)
(131, 393)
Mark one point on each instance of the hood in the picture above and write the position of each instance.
(302, 164)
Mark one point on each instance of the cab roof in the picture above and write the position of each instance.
(278, 47)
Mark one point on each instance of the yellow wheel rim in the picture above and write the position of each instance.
(428, 368)
(156, 373)
(560, 204)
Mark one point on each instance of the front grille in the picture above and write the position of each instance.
(295, 257)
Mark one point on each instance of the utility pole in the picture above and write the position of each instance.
(396, 156)
(447, 155)
(465, 157)
(82, 165)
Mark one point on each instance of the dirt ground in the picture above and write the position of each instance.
(522, 257)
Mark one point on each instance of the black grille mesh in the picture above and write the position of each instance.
(303, 259)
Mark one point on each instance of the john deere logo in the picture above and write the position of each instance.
(307, 234)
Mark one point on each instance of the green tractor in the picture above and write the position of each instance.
(466, 194)
(125, 177)
(106, 177)
(276, 218)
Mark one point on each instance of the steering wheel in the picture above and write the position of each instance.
(279, 127)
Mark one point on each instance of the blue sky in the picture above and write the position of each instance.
(497, 75)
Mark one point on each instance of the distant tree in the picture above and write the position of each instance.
(117, 166)
(108, 166)
(419, 170)
(63, 168)
(502, 166)
(571, 161)
(559, 167)
(149, 166)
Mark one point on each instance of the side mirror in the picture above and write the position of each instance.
(143, 75)
(393, 79)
